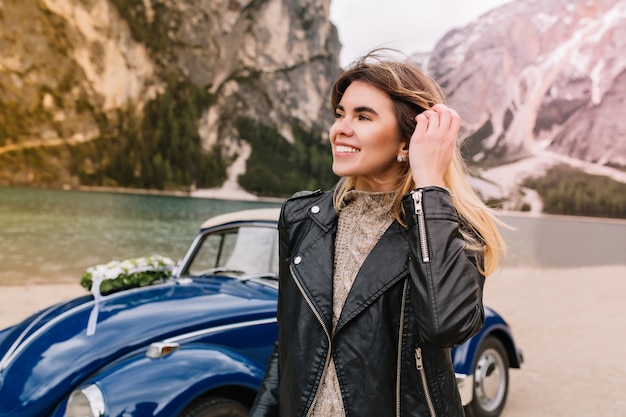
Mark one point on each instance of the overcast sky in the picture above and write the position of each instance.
(407, 25)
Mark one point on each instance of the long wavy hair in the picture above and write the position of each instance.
(412, 92)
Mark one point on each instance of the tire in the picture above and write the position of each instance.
(491, 380)
(215, 407)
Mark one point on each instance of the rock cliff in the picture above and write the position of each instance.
(69, 68)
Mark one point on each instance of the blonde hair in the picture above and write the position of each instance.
(412, 92)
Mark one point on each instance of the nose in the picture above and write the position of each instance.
(342, 126)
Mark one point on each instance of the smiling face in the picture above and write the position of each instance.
(365, 140)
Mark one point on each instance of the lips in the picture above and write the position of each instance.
(346, 149)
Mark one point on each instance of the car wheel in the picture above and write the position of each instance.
(215, 407)
(491, 380)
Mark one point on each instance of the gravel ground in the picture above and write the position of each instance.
(570, 325)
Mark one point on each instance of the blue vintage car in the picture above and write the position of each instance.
(195, 345)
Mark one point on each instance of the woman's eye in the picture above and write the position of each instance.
(364, 117)
(338, 115)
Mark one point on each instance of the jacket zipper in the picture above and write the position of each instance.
(421, 224)
(400, 336)
(420, 367)
(319, 318)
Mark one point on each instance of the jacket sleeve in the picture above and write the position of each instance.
(447, 287)
(266, 401)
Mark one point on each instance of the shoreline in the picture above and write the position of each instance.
(208, 193)
(231, 194)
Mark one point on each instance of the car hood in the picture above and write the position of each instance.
(43, 358)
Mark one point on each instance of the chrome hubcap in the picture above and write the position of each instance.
(490, 380)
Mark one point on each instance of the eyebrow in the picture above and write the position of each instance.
(360, 109)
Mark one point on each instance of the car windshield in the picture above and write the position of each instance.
(241, 251)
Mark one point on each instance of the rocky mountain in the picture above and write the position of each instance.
(81, 77)
(538, 84)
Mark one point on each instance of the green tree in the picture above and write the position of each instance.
(566, 190)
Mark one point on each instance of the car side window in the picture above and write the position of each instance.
(241, 251)
(213, 252)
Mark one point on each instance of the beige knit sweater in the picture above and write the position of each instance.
(361, 224)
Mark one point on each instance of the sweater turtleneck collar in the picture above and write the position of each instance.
(376, 203)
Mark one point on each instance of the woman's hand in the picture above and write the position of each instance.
(432, 145)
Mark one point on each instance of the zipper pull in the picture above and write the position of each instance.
(421, 224)
(418, 359)
(417, 200)
(419, 364)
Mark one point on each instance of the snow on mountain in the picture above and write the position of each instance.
(538, 84)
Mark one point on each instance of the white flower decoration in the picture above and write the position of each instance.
(130, 272)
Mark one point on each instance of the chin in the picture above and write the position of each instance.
(341, 172)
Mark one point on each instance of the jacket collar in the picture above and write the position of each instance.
(312, 259)
(385, 265)
(322, 211)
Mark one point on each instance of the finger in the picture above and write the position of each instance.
(449, 119)
(455, 124)
(445, 118)
(422, 125)
(433, 120)
(440, 108)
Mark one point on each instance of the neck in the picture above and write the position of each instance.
(375, 184)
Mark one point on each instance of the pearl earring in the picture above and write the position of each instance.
(401, 158)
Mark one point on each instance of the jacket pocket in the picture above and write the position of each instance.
(419, 364)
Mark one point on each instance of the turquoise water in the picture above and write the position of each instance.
(56, 234)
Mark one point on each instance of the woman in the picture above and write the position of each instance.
(382, 275)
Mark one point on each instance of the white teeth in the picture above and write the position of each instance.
(347, 149)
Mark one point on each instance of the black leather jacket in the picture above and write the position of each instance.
(417, 294)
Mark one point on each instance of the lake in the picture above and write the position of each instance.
(55, 235)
